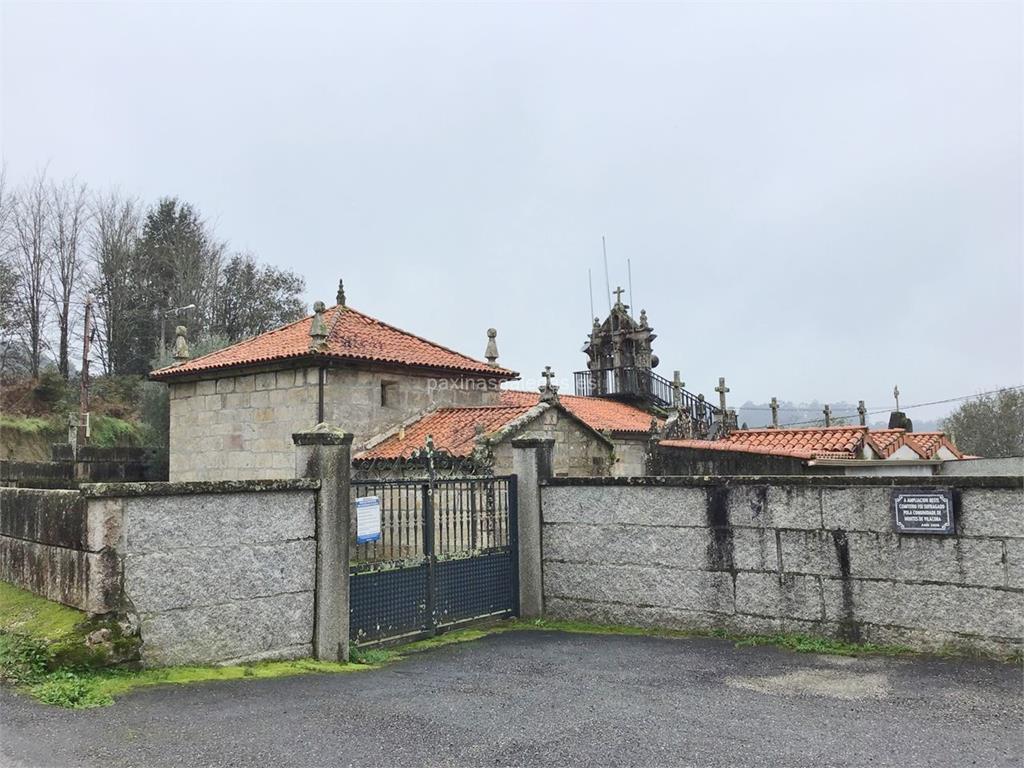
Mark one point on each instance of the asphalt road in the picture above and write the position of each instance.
(547, 698)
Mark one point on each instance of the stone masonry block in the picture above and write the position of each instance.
(791, 596)
(748, 505)
(627, 505)
(659, 586)
(927, 558)
(245, 383)
(265, 381)
(792, 507)
(1014, 563)
(855, 509)
(996, 513)
(184, 578)
(225, 386)
(208, 387)
(164, 523)
(257, 628)
(754, 549)
(683, 548)
(809, 552)
(940, 607)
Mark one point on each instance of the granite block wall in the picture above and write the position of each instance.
(53, 545)
(787, 554)
(240, 427)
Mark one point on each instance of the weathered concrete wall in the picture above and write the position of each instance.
(577, 451)
(810, 555)
(241, 427)
(1012, 466)
(53, 545)
(216, 572)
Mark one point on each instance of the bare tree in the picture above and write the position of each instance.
(31, 261)
(122, 314)
(68, 214)
(9, 344)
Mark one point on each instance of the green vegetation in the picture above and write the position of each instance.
(26, 614)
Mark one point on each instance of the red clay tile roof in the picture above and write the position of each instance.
(354, 336)
(827, 443)
(843, 440)
(596, 412)
(724, 445)
(453, 430)
(928, 444)
(887, 441)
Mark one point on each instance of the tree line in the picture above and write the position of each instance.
(62, 244)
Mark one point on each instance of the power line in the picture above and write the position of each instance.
(915, 405)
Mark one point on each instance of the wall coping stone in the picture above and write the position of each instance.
(812, 481)
(323, 434)
(107, 490)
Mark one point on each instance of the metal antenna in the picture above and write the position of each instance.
(590, 283)
(629, 272)
(607, 283)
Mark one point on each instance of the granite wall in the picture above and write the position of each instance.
(207, 572)
(54, 544)
(787, 554)
(240, 427)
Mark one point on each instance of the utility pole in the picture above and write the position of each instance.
(83, 402)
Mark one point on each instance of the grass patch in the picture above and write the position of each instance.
(30, 425)
(110, 431)
(23, 613)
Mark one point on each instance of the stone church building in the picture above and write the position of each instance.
(233, 412)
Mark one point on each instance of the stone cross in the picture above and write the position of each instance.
(774, 405)
(491, 353)
(896, 394)
(181, 353)
(862, 412)
(618, 295)
(721, 389)
(828, 415)
(548, 392)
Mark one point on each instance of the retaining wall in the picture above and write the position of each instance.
(787, 554)
(209, 572)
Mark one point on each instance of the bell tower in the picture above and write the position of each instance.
(620, 361)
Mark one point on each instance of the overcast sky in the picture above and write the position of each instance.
(819, 201)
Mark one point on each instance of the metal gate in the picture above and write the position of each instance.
(447, 555)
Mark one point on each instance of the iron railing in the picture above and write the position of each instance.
(643, 384)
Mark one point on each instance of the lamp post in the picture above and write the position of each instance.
(163, 328)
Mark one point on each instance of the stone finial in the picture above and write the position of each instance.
(862, 412)
(827, 410)
(341, 293)
(896, 394)
(643, 318)
(181, 353)
(774, 405)
(721, 389)
(548, 392)
(491, 353)
(318, 328)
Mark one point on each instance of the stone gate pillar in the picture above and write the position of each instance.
(325, 453)
(531, 463)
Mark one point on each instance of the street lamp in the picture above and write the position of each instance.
(163, 328)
